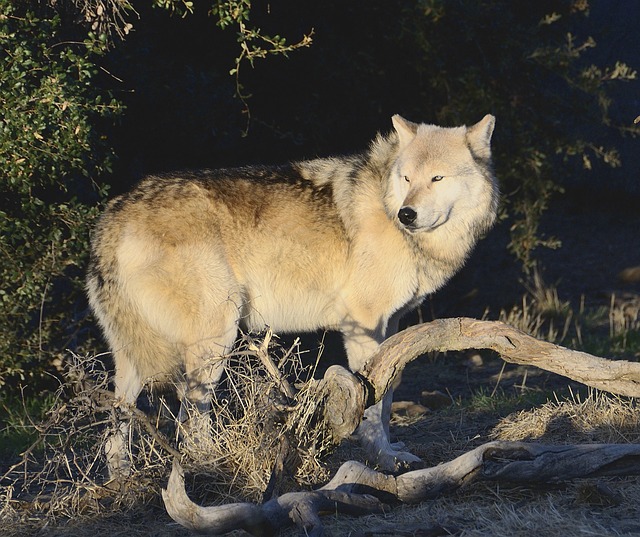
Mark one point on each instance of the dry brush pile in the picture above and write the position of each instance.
(266, 436)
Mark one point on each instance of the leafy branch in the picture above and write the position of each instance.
(254, 44)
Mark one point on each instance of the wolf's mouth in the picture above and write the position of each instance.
(415, 228)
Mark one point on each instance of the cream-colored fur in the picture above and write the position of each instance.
(346, 243)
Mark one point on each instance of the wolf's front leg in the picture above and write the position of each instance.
(373, 432)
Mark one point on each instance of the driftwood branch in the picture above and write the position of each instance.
(343, 396)
(614, 376)
(357, 489)
(300, 508)
(507, 462)
(348, 393)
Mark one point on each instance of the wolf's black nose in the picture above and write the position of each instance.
(407, 216)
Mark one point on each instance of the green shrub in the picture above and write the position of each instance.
(51, 152)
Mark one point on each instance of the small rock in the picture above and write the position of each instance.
(630, 275)
(408, 409)
(435, 400)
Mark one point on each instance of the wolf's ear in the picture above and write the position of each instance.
(479, 136)
(406, 130)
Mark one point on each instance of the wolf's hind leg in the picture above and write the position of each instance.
(128, 386)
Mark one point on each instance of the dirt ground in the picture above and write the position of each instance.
(482, 399)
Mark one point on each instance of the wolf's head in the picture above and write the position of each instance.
(442, 175)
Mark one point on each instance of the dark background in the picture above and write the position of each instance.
(368, 61)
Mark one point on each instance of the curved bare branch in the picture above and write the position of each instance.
(614, 376)
(300, 508)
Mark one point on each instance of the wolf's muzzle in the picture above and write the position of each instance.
(407, 216)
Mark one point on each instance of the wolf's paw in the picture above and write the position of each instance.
(395, 462)
(195, 432)
(118, 456)
(118, 473)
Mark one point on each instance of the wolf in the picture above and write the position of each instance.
(351, 243)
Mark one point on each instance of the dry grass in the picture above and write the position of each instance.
(255, 429)
(487, 511)
(597, 418)
(612, 328)
(542, 313)
(61, 475)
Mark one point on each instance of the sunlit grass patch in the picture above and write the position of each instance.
(599, 418)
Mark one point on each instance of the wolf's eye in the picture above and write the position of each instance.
(406, 179)
(437, 178)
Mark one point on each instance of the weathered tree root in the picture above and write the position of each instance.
(300, 508)
(357, 489)
(507, 462)
(348, 393)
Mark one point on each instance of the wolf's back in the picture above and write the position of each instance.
(176, 242)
